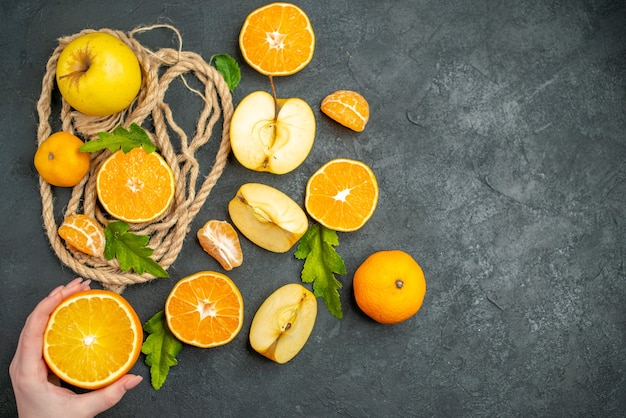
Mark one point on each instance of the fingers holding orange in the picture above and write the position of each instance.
(92, 339)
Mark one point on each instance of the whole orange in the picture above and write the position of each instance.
(59, 162)
(389, 286)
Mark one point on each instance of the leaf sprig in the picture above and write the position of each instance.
(322, 262)
(120, 138)
(161, 348)
(228, 67)
(130, 250)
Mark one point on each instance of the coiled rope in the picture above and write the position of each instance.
(159, 69)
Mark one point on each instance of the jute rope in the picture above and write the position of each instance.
(159, 69)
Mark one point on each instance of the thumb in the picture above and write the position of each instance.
(102, 399)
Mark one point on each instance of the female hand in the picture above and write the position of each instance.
(37, 391)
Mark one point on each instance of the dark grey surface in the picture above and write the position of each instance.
(498, 138)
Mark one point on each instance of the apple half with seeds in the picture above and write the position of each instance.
(282, 325)
(270, 135)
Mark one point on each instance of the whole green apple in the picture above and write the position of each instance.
(98, 74)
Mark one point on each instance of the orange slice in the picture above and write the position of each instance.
(205, 309)
(277, 39)
(83, 233)
(135, 186)
(220, 240)
(92, 339)
(348, 108)
(342, 194)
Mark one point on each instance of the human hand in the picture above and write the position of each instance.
(37, 391)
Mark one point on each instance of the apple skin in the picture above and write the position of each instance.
(267, 217)
(262, 140)
(98, 74)
(283, 323)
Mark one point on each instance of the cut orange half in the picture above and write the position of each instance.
(277, 39)
(205, 309)
(342, 194)
(92, 339)
(83, 233)
(135, 186)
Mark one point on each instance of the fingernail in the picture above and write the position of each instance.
(85, 284)
(74, 282)
(132, 383)
(55, 290)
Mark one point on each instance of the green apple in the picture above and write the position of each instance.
(271, 135)
(284, 322)
(98, 74)
(267, 217)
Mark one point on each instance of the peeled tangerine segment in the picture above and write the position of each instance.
(283, 323)
(219, 239)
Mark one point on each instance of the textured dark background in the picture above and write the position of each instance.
(498, 136)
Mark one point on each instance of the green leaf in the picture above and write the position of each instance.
(322, 262)
(126, 139)
(160, 348)
(130, 250)
(228, 67)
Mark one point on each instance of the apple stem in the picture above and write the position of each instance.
(275, 98)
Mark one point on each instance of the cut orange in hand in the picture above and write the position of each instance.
(92, 339)
(135, 186)
(277, 39)
(348, 108)
(220, 240)
(83, 233)
(205, 309)
(342, 194)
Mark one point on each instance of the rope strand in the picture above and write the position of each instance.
(168, 233)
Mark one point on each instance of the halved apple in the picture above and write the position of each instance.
(284, 322)
(273, 136)
(267, 217)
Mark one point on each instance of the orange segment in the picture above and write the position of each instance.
(342, 194)
(92, 339)
(220, 240)
(205, 309)
(277, 39)
(83, 233)
(348, 108)
(135, 186)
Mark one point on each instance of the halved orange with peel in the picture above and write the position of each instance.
(277, 39)
(342, 194)
(92, 339)
(135, 186)
(205, 309)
